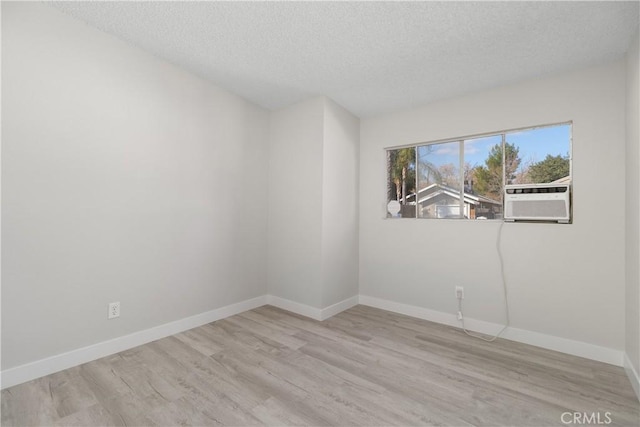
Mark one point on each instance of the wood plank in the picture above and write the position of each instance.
(364, 366)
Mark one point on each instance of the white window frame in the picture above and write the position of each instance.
(460, 140)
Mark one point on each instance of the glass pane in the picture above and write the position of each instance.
(401, 183)
(439, 181)
(483, 177)
(543, 155)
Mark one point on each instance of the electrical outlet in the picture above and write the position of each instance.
(459, 292)
(114, 310)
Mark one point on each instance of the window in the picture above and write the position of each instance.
(465, 178)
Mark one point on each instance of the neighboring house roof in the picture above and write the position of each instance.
(563, 180)
(434, 190)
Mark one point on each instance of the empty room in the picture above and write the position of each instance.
(320, 213)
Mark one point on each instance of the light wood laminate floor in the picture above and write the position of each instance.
(363, 366)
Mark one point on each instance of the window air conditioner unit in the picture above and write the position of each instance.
(538, 202)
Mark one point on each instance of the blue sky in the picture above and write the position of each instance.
(534, 146)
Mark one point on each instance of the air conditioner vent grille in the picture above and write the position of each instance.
(538, 209)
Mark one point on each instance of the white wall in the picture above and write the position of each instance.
(124, 179)
(564, 280)
(339, 204)
(295, 203)
(632, 348)
(313, 206)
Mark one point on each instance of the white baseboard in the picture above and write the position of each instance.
(59, 362)
(295, 307)
(309, 311)
(338, 307)
(409, 310)
(632, 374)
(563, 345)
(50, 365)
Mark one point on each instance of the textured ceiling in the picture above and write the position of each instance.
(370, 57)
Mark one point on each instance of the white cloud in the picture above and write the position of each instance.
(447, 150)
